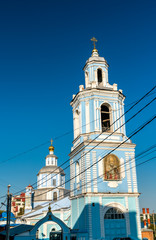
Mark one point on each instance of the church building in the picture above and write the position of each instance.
(103, 174)
(103, 201)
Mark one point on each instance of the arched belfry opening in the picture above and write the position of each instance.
(105, 117)
(55, 196)
(99, 76)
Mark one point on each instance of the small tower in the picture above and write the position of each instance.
(50, 180)
(103, 186)
(96, 70)
(28, 198)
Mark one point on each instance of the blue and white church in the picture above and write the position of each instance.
(103, 202)
(104, 192)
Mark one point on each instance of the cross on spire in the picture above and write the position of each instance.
(94, 40)
(51, 142)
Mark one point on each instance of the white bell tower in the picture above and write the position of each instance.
(103, 178)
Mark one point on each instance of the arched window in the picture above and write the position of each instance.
(114, 213)
(99, 76)
(55, 196)
(105, 118)
(76, 123)
(111, 168)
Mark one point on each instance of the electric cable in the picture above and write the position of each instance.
(121, 116)
(137, 130)
(66, 133)
(121, 126)
(95, 139)
(92, 180)
(98, 143)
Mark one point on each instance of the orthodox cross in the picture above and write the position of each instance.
(94, 40)
(51, 142)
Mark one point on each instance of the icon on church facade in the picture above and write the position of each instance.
(111, 167)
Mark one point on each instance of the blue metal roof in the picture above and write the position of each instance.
(60, 204)
(18, 229)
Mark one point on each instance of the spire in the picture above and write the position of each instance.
(94, 51)
(51, 148)
(49, 208)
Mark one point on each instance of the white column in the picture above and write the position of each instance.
(138, 218)
(83, 174)
(95, 118)
(88, 172)
(80, 120)
(135, 187)
(71, 175)
(117, 113)
(128, 173)
(94, 172)
(87, 117)
(114, 118)
(104, 78)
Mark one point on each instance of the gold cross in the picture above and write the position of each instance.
(94, 40)
(51, 142)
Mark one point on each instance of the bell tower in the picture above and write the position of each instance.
(103, 179)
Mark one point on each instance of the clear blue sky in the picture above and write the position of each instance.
(43, 48)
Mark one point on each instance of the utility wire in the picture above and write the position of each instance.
(66, 133)
(133, 134)
(96, 144)
(100, 134)
(47, 204)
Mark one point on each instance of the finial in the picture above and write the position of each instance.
(51, 148)
(49, 208)
(94, 51)
(93, 39)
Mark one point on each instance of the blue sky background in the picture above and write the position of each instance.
(43, 48)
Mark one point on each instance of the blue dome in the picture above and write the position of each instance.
(3, 217)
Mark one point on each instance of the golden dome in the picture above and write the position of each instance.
(51, 148)
(94, 50)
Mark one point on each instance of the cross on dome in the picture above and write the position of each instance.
(93, 39)
(94, 51)
(51, 148)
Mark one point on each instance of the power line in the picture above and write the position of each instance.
(101, 133)
(66, 133)
(99, 142)
(137, 130)
(98, 182)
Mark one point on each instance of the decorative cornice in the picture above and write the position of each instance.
(93, 194)
(93, 91)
